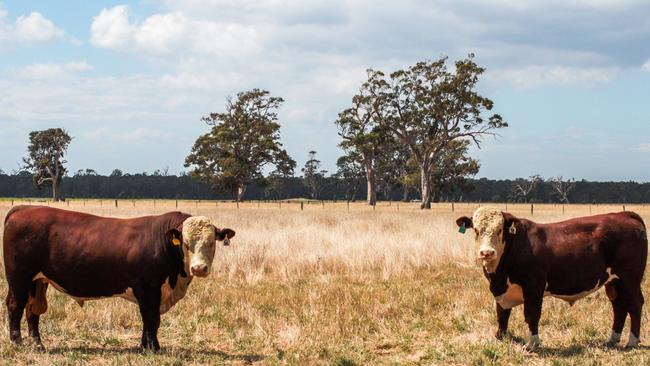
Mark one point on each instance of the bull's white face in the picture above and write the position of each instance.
(199, 238)
(488, 226)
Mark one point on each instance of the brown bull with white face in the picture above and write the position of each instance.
(525, 261)
(147, 260)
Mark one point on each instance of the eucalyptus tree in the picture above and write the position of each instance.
(242, 141)
(45, 159)
(426, 106)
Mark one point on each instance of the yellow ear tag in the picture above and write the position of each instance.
(176, 242)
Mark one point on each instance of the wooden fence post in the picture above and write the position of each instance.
(237, 203)
(176, 203)
(348, 206)
(531, 208)
(452, 207)
(301, 205)
(115, 203)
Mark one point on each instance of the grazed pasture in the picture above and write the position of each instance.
(325, 285)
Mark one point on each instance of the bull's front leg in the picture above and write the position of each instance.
(532, 314)
(503, 316)
(149, 302)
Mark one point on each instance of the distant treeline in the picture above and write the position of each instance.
(127, 186)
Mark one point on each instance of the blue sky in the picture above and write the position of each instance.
(131, 80)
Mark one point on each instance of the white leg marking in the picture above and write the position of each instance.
(533, 343)
(614, 338)
(633, 341)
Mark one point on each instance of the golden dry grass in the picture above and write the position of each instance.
(322, 285)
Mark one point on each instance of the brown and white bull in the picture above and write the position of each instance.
(147, 260)
(525, 261)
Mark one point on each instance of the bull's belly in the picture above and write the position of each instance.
(514, 295)
(169, 297)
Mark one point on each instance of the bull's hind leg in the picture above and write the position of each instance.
(36, 306)
(16, 301)
(619, 307)
(635, 305)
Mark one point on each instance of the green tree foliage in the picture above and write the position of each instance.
(365, 140)
(313, 175)
(349, 175)
(426, 106)
(45, 159)
(243, 140)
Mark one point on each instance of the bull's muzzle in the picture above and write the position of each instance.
(487, 254)
(200, 270)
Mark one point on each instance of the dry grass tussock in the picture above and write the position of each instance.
(328, 285)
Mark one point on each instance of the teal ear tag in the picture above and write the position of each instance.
(462, 229)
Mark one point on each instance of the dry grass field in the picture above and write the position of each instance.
(330, 285)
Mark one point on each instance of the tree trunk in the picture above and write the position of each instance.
(426, 188)
(372, 185)
(55, 190)
(238, 192)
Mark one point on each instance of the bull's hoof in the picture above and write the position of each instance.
(501, 334)
(38, 344)
(632, 342)
(151, 346)
(532, 344)
(613, 340)
(16, 338)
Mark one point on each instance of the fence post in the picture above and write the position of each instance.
(176, 203)
(237, 203)
(115, 203)
(531, 208)
(563, 209)
(323, 202)
(623, 207)
(452, 207)
(12, 203)
(397, 206)
(301, 205)
(348, 206)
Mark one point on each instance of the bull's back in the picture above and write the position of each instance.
(84, 254)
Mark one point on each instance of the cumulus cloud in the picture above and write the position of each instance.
(28, 28)
(170, 32)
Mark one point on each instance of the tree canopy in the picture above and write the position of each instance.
(426, 106)
(243, 140)
(45, 159)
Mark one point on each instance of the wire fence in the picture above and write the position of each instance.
(155, 205)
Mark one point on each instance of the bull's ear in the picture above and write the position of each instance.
(511, 224)
(463, 223)
(224, 235)
(174, 236)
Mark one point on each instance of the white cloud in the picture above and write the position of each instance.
(111, 28)
(537, 76)
(28, 28)
(646, 66)
(51, 70)
(35, 28)
(171, 33)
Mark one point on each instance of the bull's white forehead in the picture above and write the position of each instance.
(487, 221)
(198, 228)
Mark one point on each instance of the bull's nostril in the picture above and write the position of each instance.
(486, 253)
(200, 270)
